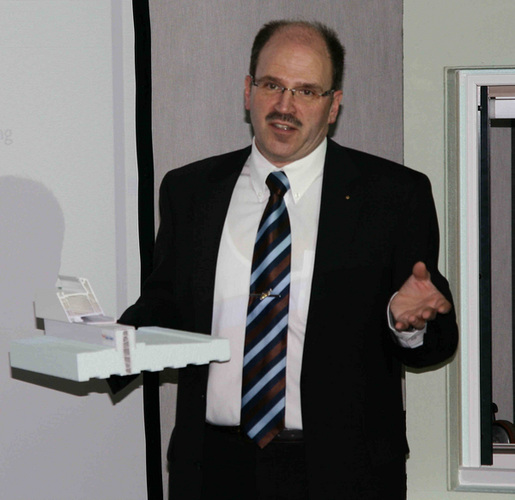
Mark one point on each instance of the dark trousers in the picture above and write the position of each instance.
(236, 469)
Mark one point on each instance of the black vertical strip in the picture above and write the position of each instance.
(152, 434)
(485, 284)
(144, 149)
(143, 68)
(512, 124)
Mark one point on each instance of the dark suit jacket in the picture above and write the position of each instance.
(377, 219)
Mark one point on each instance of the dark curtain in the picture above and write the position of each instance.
(143, 68)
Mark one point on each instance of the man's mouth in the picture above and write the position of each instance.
(282, 126)
(283, 121)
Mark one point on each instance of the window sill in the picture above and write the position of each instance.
(498, 478)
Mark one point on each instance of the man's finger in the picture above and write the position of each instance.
(428, 314)
(445, 307)
(420, 271)
(401, 326)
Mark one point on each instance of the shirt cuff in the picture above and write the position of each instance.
(408, 338)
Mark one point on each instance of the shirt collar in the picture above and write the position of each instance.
(301, 173)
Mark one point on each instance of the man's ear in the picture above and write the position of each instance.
(248, 87)
(335, 106)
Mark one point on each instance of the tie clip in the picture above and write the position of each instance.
(264, 295)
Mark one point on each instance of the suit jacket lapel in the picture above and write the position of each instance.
(343, 195)
(342, 198)
(213, 204)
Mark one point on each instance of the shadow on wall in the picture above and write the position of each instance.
(31, 241)
(32, 232)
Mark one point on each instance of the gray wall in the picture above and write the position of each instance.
(200, 57)
(501, 222)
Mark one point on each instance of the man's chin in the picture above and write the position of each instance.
(280, 158)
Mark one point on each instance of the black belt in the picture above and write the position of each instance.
(285, 436)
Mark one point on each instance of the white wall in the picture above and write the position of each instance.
(437, 34)
(67, 204)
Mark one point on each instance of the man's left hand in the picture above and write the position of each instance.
(418, 301)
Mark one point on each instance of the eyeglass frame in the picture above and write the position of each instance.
(283, 89)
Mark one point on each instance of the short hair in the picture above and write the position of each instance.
(334, 46)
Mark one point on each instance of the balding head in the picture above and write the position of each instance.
(305, 32)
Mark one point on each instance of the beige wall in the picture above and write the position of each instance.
(437, 34)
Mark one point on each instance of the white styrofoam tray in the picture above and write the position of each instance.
(155, 349)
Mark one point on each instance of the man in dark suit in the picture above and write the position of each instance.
(364, 292)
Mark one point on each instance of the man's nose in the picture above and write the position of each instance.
(286, 101)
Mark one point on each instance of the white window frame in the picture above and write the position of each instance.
(463, 85)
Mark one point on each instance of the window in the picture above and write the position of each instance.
(480, 100)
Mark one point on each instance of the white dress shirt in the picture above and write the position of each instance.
(232, 281)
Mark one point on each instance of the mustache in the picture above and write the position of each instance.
(275, 115)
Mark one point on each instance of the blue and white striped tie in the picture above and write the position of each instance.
(264, 362)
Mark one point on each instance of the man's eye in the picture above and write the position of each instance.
(306, 92)
(270, 86)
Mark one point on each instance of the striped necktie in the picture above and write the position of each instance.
(264, 362)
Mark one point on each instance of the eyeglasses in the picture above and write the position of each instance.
(304, 94)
